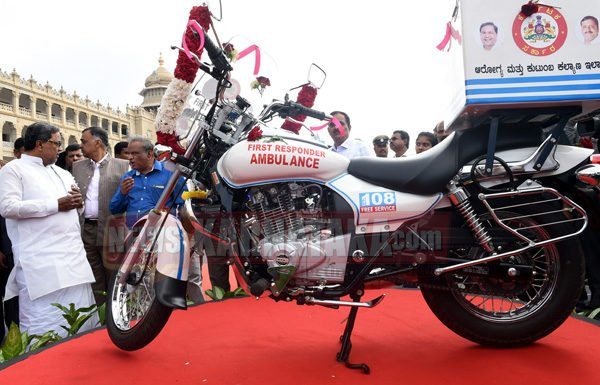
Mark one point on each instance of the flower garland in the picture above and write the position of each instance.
(173, 101)
(306, 97)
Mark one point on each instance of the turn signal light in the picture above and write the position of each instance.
(194, 195)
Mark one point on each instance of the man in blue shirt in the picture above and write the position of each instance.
(141, 187)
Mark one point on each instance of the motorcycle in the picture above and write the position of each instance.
(478, 222)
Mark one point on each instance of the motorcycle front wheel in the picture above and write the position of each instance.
(134, 317)
(504, 313)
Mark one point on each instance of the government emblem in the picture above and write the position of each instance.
(542, 33)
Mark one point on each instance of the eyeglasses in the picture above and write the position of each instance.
(58, 144)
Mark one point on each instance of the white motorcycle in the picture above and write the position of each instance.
(477, 222)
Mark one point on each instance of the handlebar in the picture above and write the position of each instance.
(216, 55)
(290, 108)
(220, 65)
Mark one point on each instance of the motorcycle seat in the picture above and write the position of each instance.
(426, 173)
(429, 172)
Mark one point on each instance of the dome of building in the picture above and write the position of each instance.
(160, 76)
(155, 86)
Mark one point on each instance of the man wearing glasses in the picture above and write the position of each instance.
(40, 203)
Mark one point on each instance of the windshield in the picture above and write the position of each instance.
(256, 80)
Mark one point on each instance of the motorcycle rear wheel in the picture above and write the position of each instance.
(134, 317)
(521, 317)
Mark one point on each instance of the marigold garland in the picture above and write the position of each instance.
(306, 97)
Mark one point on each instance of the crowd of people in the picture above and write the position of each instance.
(56, 209)
(398, 143)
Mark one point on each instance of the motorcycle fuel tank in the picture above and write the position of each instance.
(262, 162)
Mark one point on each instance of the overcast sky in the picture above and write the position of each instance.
(380, 57)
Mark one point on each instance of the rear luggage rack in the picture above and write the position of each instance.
(574, 215)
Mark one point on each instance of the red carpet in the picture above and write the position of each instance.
(242, 341)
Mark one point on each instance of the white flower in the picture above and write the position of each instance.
(171, 105)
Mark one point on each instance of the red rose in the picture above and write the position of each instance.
(263, 81)
(255, 134)
(529, 9)
(228, 47)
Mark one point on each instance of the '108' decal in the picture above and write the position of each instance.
(376, 202)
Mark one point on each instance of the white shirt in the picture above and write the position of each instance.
(46, 242)
(91, 195)
(353, 149)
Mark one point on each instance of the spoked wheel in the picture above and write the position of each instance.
(511, 310)
(134, 316)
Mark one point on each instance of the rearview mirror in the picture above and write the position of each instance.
(316, 76)
(589, 127)
(216, 9)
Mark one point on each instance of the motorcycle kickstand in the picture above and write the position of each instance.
(344, 353)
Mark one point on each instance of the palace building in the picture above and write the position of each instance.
(23, 102)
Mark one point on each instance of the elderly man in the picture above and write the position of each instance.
(139, 192)
(98, 178)
(141, 187)
(40, 202)
(440, 131)
(342, 143)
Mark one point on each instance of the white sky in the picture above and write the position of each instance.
(380, 57)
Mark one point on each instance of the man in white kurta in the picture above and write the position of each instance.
(40, 201)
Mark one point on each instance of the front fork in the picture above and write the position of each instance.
(164, 235)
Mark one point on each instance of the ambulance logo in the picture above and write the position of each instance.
(540, 34)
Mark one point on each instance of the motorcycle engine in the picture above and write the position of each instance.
(295, 233)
